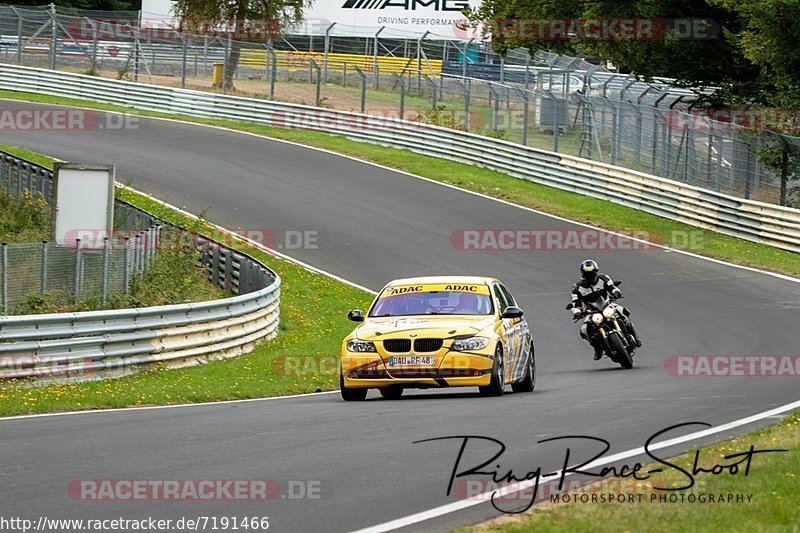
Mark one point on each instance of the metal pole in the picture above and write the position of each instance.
(555, 123)
(136, 47)
(314, 67)
(524, 118)
(44, 267)
(363, 86)
(527, 68)
(53, 37)
(77, 284)
(225, 64)
(94, 43)
(184, 50)
(273, 60)
(327, 49)
(5, 278)
(494, 101)
(150, 245)
(784, 173)
(205, 55)
(126, 260)
(19, 36)
(137, 254)
(419, 61)
(105, 269)
(375, 58)
(402, 83)
(466, 104)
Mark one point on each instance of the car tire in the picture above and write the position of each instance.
(350, 394)
(392, 392)
(528, 383)
(498, 382)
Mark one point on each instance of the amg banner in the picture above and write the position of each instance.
(360, 18)
(440, 17)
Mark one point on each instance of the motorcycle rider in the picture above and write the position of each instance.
(592, 286)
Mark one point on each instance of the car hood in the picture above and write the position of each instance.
(433, 326)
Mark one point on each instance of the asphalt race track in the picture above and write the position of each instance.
(374, 225)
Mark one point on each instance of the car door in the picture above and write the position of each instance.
(519, 330)
(523, 335)
(510, 350)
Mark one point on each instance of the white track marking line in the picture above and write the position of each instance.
(153, 407)
(523, 485)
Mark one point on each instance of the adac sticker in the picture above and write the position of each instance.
(474, 288)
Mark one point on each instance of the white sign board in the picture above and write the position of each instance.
(361, 18)
(84, 203)
(439, 17)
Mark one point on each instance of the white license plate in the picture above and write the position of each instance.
(412, 360)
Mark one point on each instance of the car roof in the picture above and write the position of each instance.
(473, 280)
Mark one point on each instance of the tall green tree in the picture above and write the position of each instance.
(768, 38)
(257, 19)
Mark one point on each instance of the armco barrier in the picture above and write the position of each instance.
(754, 221)
(97, 344)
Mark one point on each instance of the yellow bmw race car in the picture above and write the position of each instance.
(435, 332)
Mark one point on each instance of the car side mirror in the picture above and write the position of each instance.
(569, 306)
(511, 311)
(617, 282)
(356, 315)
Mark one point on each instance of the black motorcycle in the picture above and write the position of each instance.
(619, 344)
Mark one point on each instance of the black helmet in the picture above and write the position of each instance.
(589, 270)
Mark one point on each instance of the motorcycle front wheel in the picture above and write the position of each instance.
(619, 351)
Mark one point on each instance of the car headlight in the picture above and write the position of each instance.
(356, 345)
(609, 312)
(470, 344)
(597, 318)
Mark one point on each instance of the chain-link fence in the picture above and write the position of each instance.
(548, 101)
(96, 265)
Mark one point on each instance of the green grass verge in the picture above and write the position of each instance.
(772, 481)
(555, 201)
(301, 359)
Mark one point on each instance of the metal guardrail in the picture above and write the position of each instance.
(746, 219)
(98, 344)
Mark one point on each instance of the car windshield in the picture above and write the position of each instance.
(432, 303)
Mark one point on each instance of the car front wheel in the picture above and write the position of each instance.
(350, 394)
(498, 381)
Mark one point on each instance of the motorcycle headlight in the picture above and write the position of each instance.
(356, 345)
(609, 312)
(470, 345)
(597, 318)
